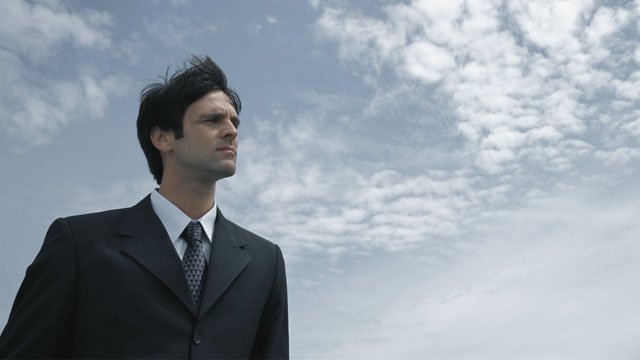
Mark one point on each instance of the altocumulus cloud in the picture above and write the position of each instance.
(536, 212)
(541, 96)
(304, 191)
(543, 285)
(35, 105)
(537, 99)
(530, 82)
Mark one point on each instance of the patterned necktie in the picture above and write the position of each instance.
(195, 264)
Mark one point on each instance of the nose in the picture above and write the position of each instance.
(229, 130)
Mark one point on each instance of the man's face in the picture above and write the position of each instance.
(208, 149)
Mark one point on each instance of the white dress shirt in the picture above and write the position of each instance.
(175, 221)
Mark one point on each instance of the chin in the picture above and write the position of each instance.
(225, 173)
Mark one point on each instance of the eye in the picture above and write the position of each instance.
(213, 118)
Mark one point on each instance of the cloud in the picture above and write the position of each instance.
(507, 250)
(606, 22)
(271, 19)
(33, 113)
(306, 192)
(518, 100)
(522, 79)
(539, 283)
(427, 62)
(36, 30)
(35, 103)
(368, 41)
(179, 3)
(476, 115)
(551, 24)
(172, 30)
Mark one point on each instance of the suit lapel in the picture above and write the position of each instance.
(227, 261)
(150, 246)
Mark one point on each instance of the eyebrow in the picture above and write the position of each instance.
(216, 116)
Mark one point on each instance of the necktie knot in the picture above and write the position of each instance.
(193, 233)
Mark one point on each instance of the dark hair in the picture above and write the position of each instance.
(163, 104)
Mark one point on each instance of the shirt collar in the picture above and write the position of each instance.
(174, 220)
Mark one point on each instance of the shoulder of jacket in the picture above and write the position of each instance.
(249, 236)
(96, 216)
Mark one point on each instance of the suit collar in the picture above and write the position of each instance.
(228, 231)
(227, 261)
(150, 246)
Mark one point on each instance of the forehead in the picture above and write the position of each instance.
(215, 101)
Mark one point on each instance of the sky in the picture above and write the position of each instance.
(447, 180)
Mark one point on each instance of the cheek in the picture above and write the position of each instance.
(205, 139)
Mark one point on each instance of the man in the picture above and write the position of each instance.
(169, 277)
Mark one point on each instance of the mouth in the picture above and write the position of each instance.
(229, 149)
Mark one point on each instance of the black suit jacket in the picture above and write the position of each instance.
(111, 285)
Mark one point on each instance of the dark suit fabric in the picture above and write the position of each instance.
(111, 285)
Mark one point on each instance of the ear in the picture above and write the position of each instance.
(162, 139)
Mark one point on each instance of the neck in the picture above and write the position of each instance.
(194, 199)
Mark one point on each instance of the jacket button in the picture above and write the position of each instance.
(197, 339)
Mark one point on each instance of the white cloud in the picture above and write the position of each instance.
(628, 89)
(551, 24)
(619, 156)
(523, 127)
(540, 283)
(510, 261)
(427, 62)
(42, 111)
(314, 3)
(35, 104)
(36, 30)
(509, 71)
(271, 19)
(605, 22)
(306, 193)
(173, 30)
(364, 39)
(633, 127)
(180, 3)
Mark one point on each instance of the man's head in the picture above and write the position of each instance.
(163, 104)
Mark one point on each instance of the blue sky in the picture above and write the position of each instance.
(447, 180)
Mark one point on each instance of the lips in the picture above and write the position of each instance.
(227, 148)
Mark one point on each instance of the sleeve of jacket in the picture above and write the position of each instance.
(272, 338)
(42, 318)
